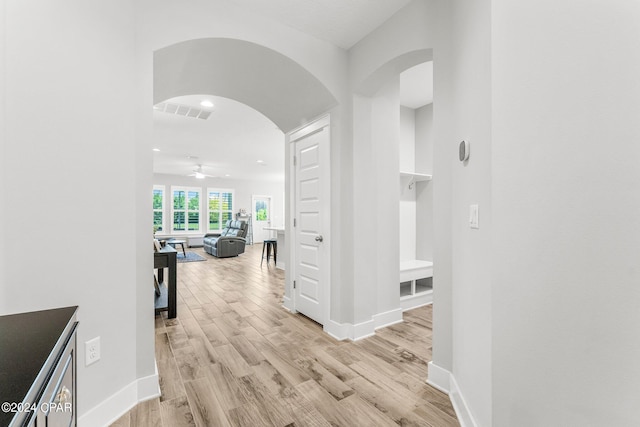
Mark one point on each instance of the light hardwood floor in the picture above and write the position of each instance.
(235, 357)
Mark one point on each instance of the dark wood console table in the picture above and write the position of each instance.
(166, 301)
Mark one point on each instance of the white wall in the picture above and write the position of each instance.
(416, 203)
(69, 78)
(385, 139)
(243, 190)
(566, 102)
(462, 110)
(471, 250)
(407, 219)
(424, 190)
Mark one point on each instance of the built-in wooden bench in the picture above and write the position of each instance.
(416, 283)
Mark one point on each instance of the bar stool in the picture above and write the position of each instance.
(268, 245)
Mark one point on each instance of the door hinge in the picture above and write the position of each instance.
(295, 160)
(294, 284)
(294, 222)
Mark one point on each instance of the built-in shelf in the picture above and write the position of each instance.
(409, 178)
(416, 283)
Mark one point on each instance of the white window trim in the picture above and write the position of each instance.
(186, 190)
(233, 201)
(163, 209)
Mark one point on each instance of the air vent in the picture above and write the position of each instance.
(182, 110)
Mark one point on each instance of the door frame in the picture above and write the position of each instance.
(253, 206)
(289, 300)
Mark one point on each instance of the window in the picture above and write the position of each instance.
(220, 208)
(158, 208)
(186, 209)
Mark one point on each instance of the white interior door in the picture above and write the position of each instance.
(261, 218)
(311, 255)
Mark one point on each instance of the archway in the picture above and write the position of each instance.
(263, 79)
(377, 128)
(257, 76)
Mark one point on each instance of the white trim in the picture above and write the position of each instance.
(362, 330)
(121, 402)
(388, 318)
(465, 418)
(254, 215)
(417, 300)
(309, 128)
(291, 138)
(349, 331)
(163, 209)
(186, 189)
(209, 190)
(149, 387)
(444, 381)
(287, 303)
(439, 377)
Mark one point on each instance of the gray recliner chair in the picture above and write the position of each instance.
(230, 242)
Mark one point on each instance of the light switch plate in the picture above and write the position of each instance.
(473, 216)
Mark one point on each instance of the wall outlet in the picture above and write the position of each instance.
(92, 351)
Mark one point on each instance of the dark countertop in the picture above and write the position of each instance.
(26, 341)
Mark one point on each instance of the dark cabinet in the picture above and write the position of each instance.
(38, 368)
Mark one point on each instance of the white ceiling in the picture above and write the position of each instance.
(229, 142)
(341, 22)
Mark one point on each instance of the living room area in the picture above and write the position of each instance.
(215, 159)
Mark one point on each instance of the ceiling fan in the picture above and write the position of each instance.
(199, 173)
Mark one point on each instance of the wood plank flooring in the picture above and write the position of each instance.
(235, 357)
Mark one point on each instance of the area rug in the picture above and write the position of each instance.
(191, 257)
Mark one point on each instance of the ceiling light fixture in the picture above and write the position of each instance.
(156, 149)
(199, 175)
(260, 161)
(206, 103)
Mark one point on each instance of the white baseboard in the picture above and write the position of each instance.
(287, 303)
(465, 418)
(339, 331)
(363, 330)
(391, 317)
(349, 331)
(121, 402)
(445, 381)
(439, 378)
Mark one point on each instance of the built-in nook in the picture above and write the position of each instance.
(416, 188)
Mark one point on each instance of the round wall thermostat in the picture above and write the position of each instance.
(463, 151)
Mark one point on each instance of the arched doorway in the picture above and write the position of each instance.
(269, 82)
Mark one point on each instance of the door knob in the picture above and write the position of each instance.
(319, 239)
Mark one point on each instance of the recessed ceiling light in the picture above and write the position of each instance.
(260, 161)
(206, 103)
(156, 149)
(226, 174)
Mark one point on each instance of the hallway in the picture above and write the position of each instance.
(235, 357)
